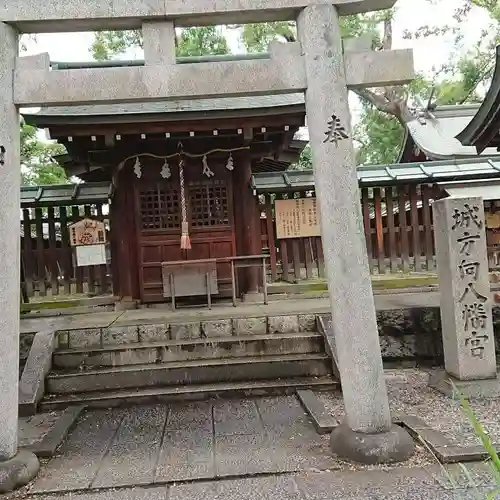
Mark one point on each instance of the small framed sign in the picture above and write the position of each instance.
(297, 218)
(90, 255)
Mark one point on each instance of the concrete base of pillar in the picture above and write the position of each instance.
(470, 389)
(395, 445)
(253, 297)
(18, 471)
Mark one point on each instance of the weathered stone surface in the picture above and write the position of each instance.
(18, 471)
(178, 461)
(321, 418)
(261, 488)
(153, 333)
(348, 275)
(10, 186)
(398, 347)
(470, 389)
(218, 328)
(236, 417)
(38, 365)
(62, 341)
(159, 42)
(76, 466)
(381, 68)
(180, 331)
(125, 15)
(37, 61)
(250, 326)
(217, 79)
(131, 458)
(89, 337)
(25, 341)
(394, 445)
(117, 335)
(283, 324)
(466, 305)
(53, 431)
(132, 357)
(307, 323)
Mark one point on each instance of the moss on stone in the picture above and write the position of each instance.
(60, 304)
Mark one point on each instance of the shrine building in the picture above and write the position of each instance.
(178, 170)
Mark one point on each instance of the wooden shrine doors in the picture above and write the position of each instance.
(209, 204)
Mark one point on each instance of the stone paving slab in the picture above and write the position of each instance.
(184, 442)
(263, 488)
(397, 484)
(131, 459)
(237, 417)
(80, 457)
(34, 428)
(190, 416)
(201, 442)
(186, 455)
(44, 432)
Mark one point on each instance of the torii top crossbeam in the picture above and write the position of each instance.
(33, 16)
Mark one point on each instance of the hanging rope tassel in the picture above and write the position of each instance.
(185, 240)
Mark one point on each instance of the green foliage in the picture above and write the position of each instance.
(202, 41)
(257, 37)
(108, 44)
(380, 137)
(305, 160)
(207, 40)
(36, 158)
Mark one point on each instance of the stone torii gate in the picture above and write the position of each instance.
(317, 65)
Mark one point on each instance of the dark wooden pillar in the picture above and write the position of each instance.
(124, 240)
(248, 219)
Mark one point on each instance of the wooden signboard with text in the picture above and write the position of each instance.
(88, 238)
(297, 218)
(87, 232)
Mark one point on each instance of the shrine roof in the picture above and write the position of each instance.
(482, 131)
(65, 194)
(435, 132)
(146, 110)
(386, 175)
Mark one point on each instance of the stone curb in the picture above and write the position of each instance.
(47, 447)
(321, 419)
(36, 369)
(445, 450)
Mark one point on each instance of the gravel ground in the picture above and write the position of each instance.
(409, 394)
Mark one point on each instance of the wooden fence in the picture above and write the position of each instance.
(397, 224)
(395, 242)
(47, 263)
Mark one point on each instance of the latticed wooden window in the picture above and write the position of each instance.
(160, 208)
(209, 204)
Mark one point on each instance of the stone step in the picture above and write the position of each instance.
(190, 372)
(110, 399)
(186, 350)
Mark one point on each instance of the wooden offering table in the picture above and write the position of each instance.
(191, 278)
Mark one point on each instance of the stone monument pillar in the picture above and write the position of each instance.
(466, 305)
(15, 468)
(367, 435)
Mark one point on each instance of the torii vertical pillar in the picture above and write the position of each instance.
(368, 434)
(16, 468)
